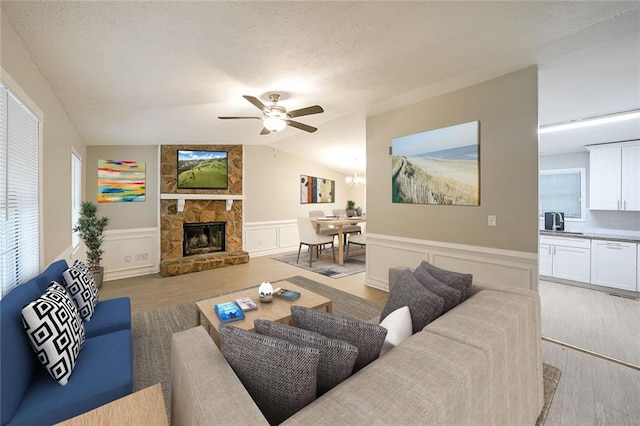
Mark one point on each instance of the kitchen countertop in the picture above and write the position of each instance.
(591, 236)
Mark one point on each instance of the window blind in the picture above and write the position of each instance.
(561, 192)
(19, 193)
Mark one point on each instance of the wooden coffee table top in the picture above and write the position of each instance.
(277, 310)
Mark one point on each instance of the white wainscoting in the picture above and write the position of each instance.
(268, 238)
(130, 252)
(514, 268)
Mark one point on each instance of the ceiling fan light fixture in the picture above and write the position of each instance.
(274, 124)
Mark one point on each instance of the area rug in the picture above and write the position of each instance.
(324, 266)
(152, 331)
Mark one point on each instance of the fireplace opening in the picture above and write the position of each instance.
(203, 237)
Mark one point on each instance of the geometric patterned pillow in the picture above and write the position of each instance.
(336, 357)
(82, 289)
(55, 331)
(79, 265)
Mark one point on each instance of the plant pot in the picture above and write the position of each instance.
(98, 275)
(350, 213)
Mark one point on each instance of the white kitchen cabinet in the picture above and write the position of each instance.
(614, 177)
(614, 264)
(566, 258)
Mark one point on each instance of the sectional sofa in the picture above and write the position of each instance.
(480, 363)
(103, 370)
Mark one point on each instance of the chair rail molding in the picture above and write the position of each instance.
(272, 237)
(131, 252)
(488, 265)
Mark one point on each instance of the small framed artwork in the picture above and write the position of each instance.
(317, 190)
(121, 181)
(440, 166)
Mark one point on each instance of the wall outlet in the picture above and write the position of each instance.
(145, 256)
(128, 259)
(493, 221)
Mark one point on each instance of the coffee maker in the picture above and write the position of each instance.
(554, 221)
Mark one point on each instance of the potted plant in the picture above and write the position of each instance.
(90, 228)
(350, 206)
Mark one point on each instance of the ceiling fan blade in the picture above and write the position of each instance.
(256, 102)
(316, 109)
(265, 131)
(238, 118)
(301, 126)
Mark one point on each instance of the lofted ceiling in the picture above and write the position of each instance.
(162, 72)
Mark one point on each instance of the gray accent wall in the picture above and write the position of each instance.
(507, 108)
(125, 215)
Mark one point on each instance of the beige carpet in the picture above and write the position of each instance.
(325, 265)
(152, 332)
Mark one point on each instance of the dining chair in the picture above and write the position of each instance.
(324, 229)
(309, 237)
(359, 239)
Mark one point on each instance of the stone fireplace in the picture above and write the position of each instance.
(183, 213)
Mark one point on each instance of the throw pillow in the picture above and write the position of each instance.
(82, 289)
(336, 357)
(399, 328)
(424, 305)
(279, 376)
(457, 280)
(55, 331)
(450, 295)
(368, 338)
(89, 277)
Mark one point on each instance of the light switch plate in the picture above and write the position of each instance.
(493, 221)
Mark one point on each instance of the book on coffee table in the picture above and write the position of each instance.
(286, 294)
(228, 312)
(246, 304)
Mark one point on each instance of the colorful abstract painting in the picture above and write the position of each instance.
(317, 190)
(121, 181)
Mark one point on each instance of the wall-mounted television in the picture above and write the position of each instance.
(202, 169)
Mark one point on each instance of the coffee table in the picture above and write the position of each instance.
(277, 310)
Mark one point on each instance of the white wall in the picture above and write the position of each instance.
(597, 221)
(59, 136)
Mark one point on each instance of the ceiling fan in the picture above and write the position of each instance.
(275, 118)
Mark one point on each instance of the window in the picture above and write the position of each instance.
(76, 194)
(563, 191)
(19, 189)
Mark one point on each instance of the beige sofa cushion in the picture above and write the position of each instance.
(429, 379)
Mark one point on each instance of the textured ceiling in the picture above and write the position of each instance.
(162, 72)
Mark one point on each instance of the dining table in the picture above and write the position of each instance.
(338, 223)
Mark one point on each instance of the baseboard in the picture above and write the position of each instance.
(487, 264)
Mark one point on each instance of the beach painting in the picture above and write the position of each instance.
(121, 181)
(440, 166)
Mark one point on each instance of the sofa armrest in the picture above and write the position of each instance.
(204, 388)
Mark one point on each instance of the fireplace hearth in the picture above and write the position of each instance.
(203, 238)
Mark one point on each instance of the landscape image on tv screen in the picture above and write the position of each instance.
(202, 169)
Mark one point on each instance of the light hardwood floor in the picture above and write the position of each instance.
(151, 292)
(591, 391)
